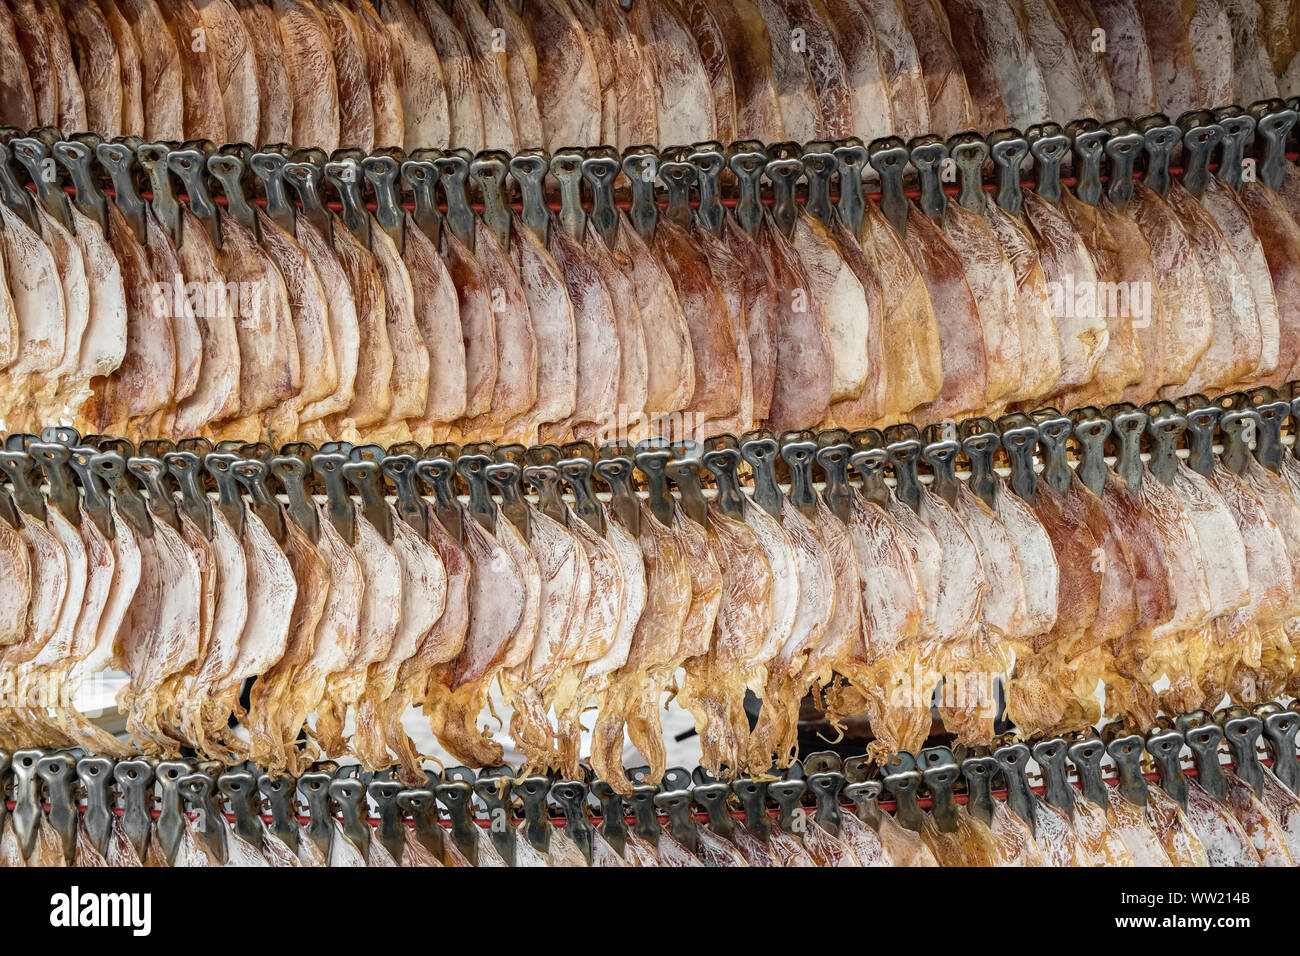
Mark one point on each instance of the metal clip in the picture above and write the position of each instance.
(1013, 760)
(227, 168)
(189, 166)
(343, 172)
(651, 463)
(709, 162)
(1200, 138)
(314, 788)
(1164, 747)
(679, 177)
(437, 472)
(110, 467)
(18, 199)
(600, 168)
(240, 789)
(252, 473)
(1053, 433)
(713, 798)
(453, 170)
(905, 455)
(613, 826)
(571, 795)
(1009, 150)
(279, 793)
(941, 456)
(421, 805)
(53, 458)
(1089, 142)
(419, 173)
(171, 818)
(400, 470)
(350, 794)
(902, 780)
(646, 824)
(761, 454)
(489, 170)
(1019, 441)
(641, 167)
(32, 152)
(1049, 147)
(616, 472)
(1122, 151)
(746, 160)
(799, 456)
(577, 472)
(870, 467)
(1128, 424)
(342, 512)
(472, 468)
(1159, 137)
(196, 788)
(1234, 427)
(1280, 730)
(784, 170)
(1050, 756)
(1272, 127)
(677, 804)
(269, 168)
(292, 472)
(537, 827)
(76, 156)
(753, 799)
(888, 157)
(1237, 129)
(834, 462)
(1091, 434)
(826, 787)
(722, 464)
(1086, 756)
(96, 774)
(493, 787)
(220, 466)
(152, 473)
(21, 470)
(305, 177)
(819, 166)
(366, 478)
(58, 772)
(1243, 733)
(1127, 754)
(382, 172)
(940, 773)
(1268, 443)
(851, 159)
(135, 779)
(566, 167)
(928, 155)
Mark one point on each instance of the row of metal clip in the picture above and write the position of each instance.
(433, 183)
(496, 802)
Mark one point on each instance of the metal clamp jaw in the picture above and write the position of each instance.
(571, 795)
(279, 793)
(1086, 755)
(940, 772)
(752, 795)
(1280, 729)
(1050, 756)
(902, 779)
(1164, 747)
(1126, 751)
(96, 776)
